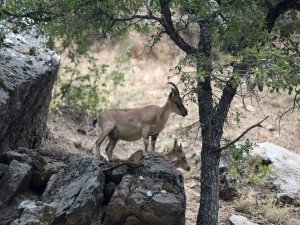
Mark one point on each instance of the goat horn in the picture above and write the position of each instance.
(175, 87)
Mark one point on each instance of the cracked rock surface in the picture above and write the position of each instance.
(27, 73)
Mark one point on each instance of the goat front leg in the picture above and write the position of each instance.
(146, 138)
(153, 141)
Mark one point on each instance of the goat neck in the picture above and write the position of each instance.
(166, 111)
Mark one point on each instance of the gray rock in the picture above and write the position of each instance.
(7, 157)
(117, 174)
(227, 188)
(3, 169)
(239, 220)
(42, 169)
(15, 180)
(285, 164)
(78, 192)
(288, 199)
(151, 194)
(27, 74)
(35, 213)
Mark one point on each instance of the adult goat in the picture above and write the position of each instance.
(135, 123)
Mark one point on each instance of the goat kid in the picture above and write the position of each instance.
(135, 123)
(177, 157)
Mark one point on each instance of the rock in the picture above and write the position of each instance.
(3, 169)
(78, 192)
(8, 156)
(117, 174)
(157, 198)
(227, 190)
(285, 164)
(108, 191)
(16, 179)
(223, 167)
(288, 199)
(239, 220)
(42, 169)
(26, 81)
(35, 213)
(271, 128)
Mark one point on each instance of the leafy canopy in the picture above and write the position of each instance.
(241, 32)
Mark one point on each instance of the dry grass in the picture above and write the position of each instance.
(275, 214)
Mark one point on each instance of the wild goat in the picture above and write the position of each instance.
(177, 157)
(136, 123)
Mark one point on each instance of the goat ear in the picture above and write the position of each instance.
(171, 94)
(175, 143)
(180, 145)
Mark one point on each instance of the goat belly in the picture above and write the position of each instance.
(127, 133)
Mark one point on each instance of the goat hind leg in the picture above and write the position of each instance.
(110, 147)
(104, 134)
(153, 140)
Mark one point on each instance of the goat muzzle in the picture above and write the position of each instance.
(184, 113)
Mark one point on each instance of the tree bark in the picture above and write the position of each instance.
(210, 155)
(209, 200)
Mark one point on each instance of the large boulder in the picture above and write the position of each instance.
(285, 164)
(27, 73)
(150, 195)
(77, 191)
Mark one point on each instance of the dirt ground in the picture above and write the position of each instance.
(146, 83)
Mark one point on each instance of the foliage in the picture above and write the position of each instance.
(238, 28)
(247, 170)
(87, 93)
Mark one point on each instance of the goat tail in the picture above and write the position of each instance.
(94, 122)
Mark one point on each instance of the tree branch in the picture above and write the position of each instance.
(35, 15)
(279, 9)
(291, 109)
(167, 23)
(244, 133)
(222, 109)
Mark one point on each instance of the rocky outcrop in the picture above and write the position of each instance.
(27, 74)
(88, 190)
(23, 175)
(77, 191)
(152, 194)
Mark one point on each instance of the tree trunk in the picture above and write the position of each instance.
(210, 155)
(209, 200)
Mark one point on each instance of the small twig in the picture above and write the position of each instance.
(292, 108)
(244, 133)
